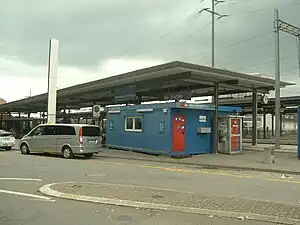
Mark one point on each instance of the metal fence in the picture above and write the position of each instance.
(288, 134)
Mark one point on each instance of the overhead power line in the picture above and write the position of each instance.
(245, 53)
(248, 39)
(171, 30)
(261, 10)
(235, 43)
(290, 71)
(216, 14)
(270, 61)
(235, 2)
(186, 37)
(180, 25)
(220, 16)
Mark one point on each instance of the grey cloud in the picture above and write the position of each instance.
(89, 31)
(94, 30)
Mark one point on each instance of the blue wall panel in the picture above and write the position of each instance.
(152, 138)
(196, 143)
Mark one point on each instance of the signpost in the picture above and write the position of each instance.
(96, 111)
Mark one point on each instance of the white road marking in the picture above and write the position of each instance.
(42, 200)
(26, 195)
(21, 179)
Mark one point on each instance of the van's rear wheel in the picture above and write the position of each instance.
(24, 149)
(67, 152)
(88, 155)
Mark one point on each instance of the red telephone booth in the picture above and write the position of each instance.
(230, 134)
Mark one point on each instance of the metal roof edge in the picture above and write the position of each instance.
(137, 73)
(226, 71)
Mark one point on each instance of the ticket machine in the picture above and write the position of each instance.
(230, 134)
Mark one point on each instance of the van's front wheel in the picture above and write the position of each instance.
(67, 152)
(24, 149)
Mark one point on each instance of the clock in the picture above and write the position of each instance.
(264, 99)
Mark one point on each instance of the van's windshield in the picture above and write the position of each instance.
(5, 134)
(91, 131)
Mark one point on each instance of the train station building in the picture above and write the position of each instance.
(175, 81)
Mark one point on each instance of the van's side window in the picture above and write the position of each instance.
(66, 130)
(91, 131)
(38, 131)
(49, 130)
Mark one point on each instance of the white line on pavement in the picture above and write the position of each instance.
(27, 195)
(43, 200)
(21, 179)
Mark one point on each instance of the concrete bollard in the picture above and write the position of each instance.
(269, 156)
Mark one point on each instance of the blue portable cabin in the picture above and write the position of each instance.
(167, 128)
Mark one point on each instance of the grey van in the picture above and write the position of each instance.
(65, 139)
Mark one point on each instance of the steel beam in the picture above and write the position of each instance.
(1, 120)
(264, 127)
(254, 117)
(281, 124)
(272, 124)
(216, 120)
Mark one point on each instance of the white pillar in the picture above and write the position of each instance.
(52, 80)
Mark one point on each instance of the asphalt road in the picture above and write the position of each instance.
(17, 209)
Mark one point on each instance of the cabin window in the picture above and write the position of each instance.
(133, 123)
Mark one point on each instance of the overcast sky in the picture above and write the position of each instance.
(100, 38)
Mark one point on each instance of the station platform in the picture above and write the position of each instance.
(285, 163)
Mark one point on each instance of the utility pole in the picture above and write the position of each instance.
(280, 25)
(213, 13)
(298, 48)
(215, 97)
(213, 33)
(277, 80)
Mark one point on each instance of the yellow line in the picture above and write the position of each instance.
(221, 173)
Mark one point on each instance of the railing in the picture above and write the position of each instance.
(286, 134)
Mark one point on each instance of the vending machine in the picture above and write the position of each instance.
(230, 134)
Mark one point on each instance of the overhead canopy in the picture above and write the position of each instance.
(153, 83)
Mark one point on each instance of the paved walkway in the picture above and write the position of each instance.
(260, 147)
(250, 160)
(173, 199)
